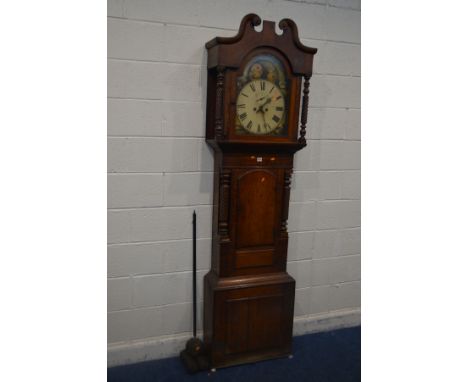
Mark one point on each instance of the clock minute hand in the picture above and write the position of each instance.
(263, 117)
(260, 107)
(267, 101)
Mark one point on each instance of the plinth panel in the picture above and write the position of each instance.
(249, 322)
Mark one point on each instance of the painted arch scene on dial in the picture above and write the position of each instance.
(262, 98)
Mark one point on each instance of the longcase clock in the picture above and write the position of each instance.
(252, 123)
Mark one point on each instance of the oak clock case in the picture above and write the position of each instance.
(253, 116)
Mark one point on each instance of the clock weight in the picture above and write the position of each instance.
(194, 356)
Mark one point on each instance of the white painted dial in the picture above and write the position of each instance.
(260, 107)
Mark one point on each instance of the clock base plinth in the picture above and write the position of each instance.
(248, 318)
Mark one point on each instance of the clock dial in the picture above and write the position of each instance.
(260, 107)
(262, 97)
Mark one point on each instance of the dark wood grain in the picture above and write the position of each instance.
(248, 295)
(224, 205)
(219, 116)
(305, 108)
(256, 196)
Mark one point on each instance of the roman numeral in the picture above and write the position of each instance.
(271, 89)
(252, 86)
(245, 95)
(276, 118)
(243, 116)
(242, 106)
(258, 128)
(278, 108)
(262, 85)
(277, 98)
(249, 125)
(267, 126)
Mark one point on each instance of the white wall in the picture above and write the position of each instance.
(160, 168)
